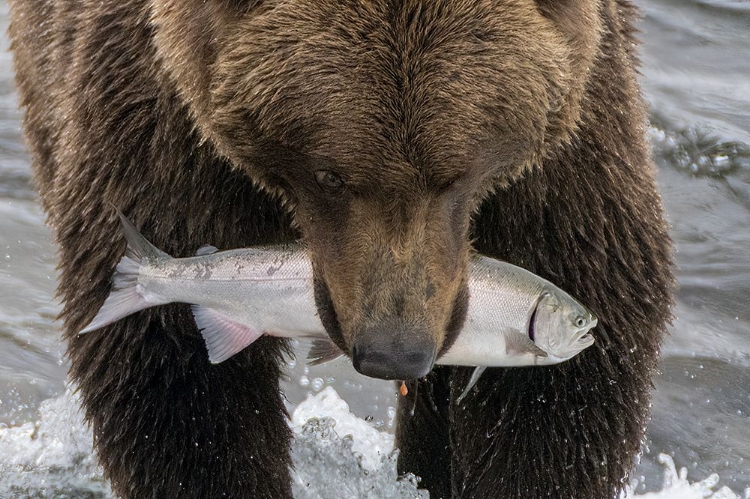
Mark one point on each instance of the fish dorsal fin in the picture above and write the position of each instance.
(517, 343)
(206, 249)
(475, 375)
(224, 337)
(323, 351)
(138, 246)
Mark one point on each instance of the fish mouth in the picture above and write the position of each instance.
(585, 340)
(582, 332)
(582, 337)
(577, 346)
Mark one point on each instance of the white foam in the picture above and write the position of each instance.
(368, 444)
(52, 457)
(335, 455)
(677, 486)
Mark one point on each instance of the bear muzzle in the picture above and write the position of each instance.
(393, 349)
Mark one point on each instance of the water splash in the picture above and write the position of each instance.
(697, 150)
(335, 455)
(677, 486)
(51, 457)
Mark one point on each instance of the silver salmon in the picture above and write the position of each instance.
(515, 318)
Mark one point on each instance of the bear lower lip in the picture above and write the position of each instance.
(327, 313)
(457, 319)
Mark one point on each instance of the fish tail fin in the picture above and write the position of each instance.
(124, 298)
(120, 303)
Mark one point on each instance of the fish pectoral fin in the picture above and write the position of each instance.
(518, 343)
(472, 381)
(223, 336)
(322, 351)
(206, 249)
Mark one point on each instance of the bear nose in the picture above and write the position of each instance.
(381, 352)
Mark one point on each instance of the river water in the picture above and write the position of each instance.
(696, 77)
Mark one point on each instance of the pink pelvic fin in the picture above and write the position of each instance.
(224, 337)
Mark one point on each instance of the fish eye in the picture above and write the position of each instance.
(580, 321)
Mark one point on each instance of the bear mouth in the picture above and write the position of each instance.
(329, 318)
(327, 314)
(457, 319)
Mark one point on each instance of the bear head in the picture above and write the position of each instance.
(382, 125)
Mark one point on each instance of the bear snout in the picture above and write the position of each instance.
(393, 349)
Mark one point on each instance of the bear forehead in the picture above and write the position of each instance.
(412, 88)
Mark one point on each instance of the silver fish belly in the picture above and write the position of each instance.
(269, 289)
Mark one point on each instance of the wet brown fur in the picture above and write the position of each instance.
(515, 124)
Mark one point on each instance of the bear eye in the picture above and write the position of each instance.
(329, 181)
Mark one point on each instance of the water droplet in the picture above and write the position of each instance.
(721, 160)
(317, 384)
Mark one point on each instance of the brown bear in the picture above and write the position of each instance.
(395, 138)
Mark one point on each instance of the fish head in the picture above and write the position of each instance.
(560, 325)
